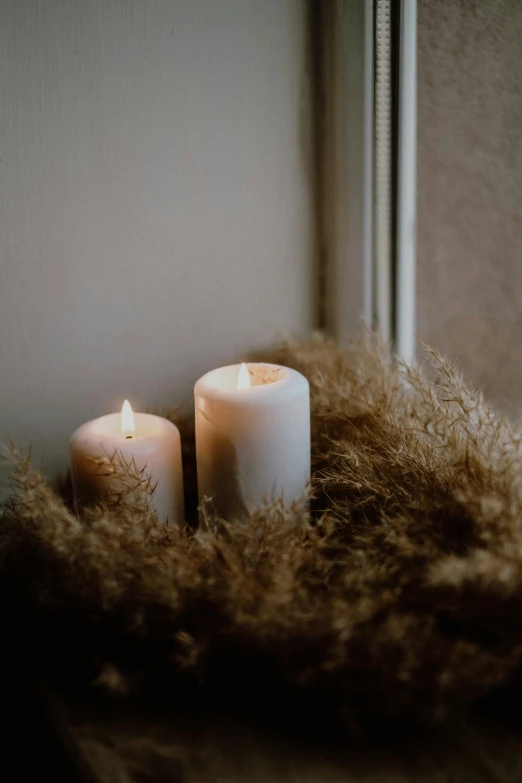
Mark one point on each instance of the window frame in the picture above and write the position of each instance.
(370, 273)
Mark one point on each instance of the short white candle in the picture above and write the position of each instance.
(252, 437)
(150, 443)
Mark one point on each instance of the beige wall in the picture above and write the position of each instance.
(470, 189)
(155, 209)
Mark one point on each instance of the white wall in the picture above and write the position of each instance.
(155, 213)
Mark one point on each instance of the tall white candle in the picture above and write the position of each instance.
(149, 443)
(252, 437)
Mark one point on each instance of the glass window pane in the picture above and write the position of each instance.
(469, 188)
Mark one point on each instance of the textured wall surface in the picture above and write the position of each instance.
(155, 210)
(470, 189)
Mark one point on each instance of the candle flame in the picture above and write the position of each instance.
(127, 420)
(243, 377)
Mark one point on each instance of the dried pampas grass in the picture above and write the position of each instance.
(402, 594)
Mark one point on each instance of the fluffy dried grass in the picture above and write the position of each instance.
(402, 594)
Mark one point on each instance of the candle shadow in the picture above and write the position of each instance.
(224, 493)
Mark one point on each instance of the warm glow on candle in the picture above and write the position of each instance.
(127, 420)
(243, 377)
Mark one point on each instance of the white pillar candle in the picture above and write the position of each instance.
(252, 437)
(149, 443)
